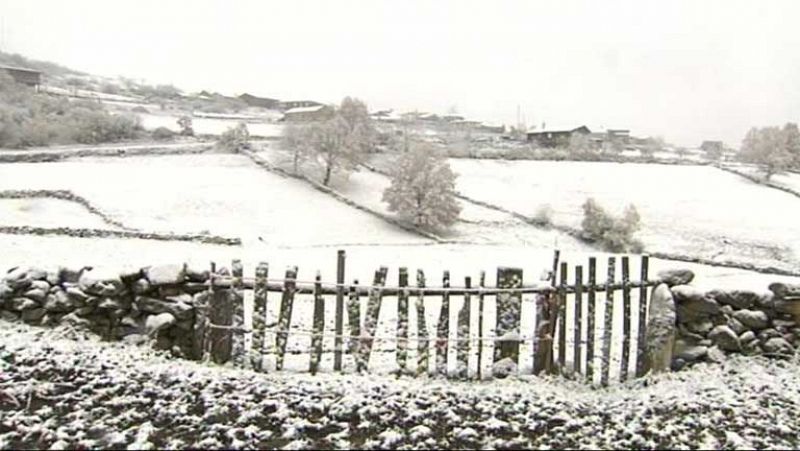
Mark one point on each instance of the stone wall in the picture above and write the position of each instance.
(708, 325)
(153, 303)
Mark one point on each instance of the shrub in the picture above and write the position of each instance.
(543, 215)
(614, 234)
(235, 138)
(163, 133)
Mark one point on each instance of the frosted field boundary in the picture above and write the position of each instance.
(65, 195)
(41, 155)
(759, 181)
(106, 233)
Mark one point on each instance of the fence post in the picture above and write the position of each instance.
(608, 317)
(371, 321)
(590, 316)
(339, 315)
(626, 320)
(240, 353)
(318, 326)
(562, 319)
(422, 328)
(462, 333)
(402, 321)
(482, 284)
(443, 328)
(578, 321)
(205, 332)
(354, 321)
(509, 305)
(285, 318)
(642, 329)
(259, 316)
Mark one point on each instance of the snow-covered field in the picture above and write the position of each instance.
(211, 126)
(692, 210)
(59, 391)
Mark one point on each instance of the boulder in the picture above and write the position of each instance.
(5, 291)
(52, 278)
(784, 290)
(165, 275)
(788, 307)
(754, 319)
(690, 353)
(183, 298)
(726, 310)
(155, 323)
(152, 305)
(33, 316)
(195, 274)
(9, 316)
(20, 278)
(736, 326)
(736, 299)
(135, 339)
(660, 335)
(673, 277)
(747, 337)
(504, 368)
(59, 301)
(74, 320)
(99, 283)
(766, 334)
(701, 327)
(113, 304)
(715, 355)
(20, 304)
(71, 275)
(76, 295)
(693, 304)
(725, 338)
(777, 345)
(141, 286)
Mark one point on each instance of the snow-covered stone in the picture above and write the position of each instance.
(754, 319)
(660, 336)
(673, 277)
(724, 337)
(165, 275)
(155, 323)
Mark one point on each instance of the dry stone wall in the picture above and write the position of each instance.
(687, 325)
(151, 304)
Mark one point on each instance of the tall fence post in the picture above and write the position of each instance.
(205, 341)
(371, 321)
(285, 318)
(578, 321)
(339, 315)
(626, 320)
(482, 284)
(402, 321)
(354, 321)
(260, 290)
(462, 333)
(642, 328)
(590, 316)
(240, 354)
(562, 319)
(545, 323)
(509, 306)
(422, 329)
(608, 318)
(318, 326)
(443, 328)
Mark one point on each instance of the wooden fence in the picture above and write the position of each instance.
(574, 317)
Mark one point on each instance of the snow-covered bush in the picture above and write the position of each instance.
(423, 189)
(235, 138)
(614, 234)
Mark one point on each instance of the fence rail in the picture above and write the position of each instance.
(564, 336)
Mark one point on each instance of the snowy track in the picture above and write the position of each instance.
(58, 392)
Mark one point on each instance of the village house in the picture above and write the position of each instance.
(291, 104)
(260, 102)
(308, 114)
(29, 77)
(556, 136)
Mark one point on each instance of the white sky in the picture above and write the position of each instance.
(686, 70)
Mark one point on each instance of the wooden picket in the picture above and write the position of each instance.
(566, 312)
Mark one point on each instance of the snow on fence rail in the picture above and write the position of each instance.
(573, 319)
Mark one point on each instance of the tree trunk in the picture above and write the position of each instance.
(327, 174)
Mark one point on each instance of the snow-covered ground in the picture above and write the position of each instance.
(58, 390)
(211, 126)
(42, 212)
(692, 210)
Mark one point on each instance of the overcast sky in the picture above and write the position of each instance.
(686, 70)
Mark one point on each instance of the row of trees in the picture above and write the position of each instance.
(422, 190)
(773, 149)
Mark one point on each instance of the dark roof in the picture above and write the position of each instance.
(20, 69)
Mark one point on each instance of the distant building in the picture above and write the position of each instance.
(308, 114)
(24, 76)
(713, 147)
(556, 136)
(291, 104)
(260, 102)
